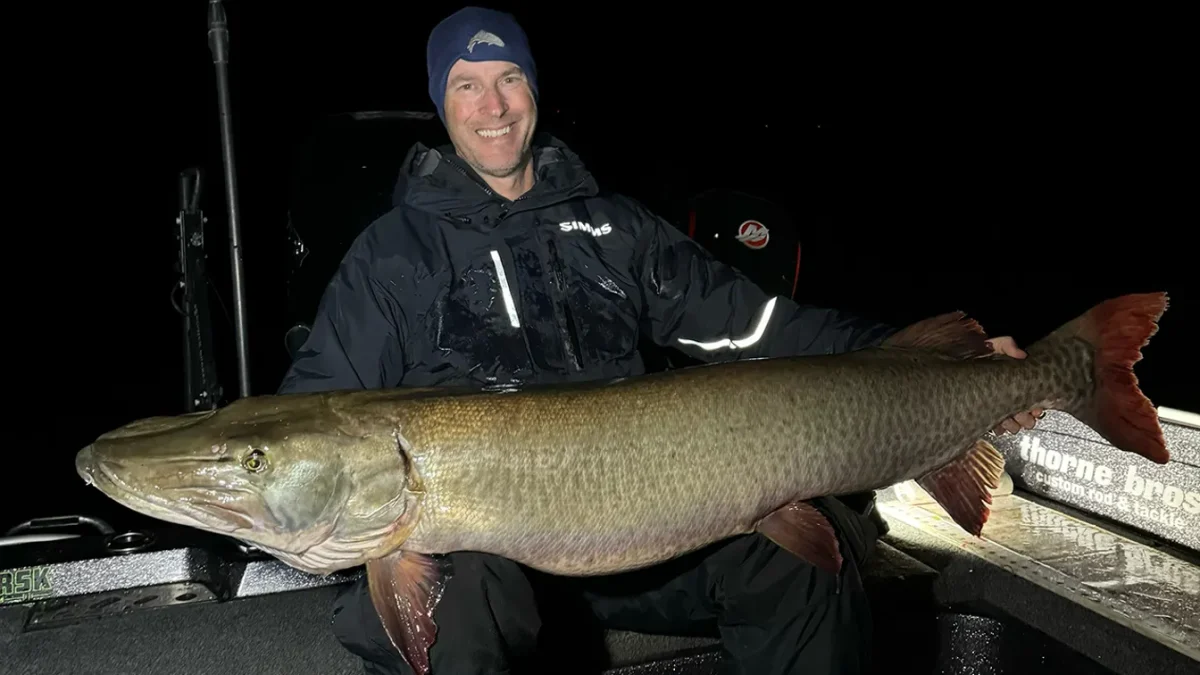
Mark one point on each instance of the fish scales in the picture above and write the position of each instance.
(615, 477)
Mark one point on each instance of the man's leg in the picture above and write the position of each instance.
(775, 613)
(782, 615)
(487, 622)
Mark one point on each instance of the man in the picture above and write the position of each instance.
(504, 263)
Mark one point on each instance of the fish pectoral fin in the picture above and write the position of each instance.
(405, 589)
(800, 528)
(954, 334)
(964, 486)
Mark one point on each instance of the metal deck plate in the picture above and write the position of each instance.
(1143, 588)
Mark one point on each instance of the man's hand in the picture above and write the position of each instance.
(1024, 420)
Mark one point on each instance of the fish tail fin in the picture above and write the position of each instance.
(1116, 330)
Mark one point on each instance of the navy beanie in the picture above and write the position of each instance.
(475, 34)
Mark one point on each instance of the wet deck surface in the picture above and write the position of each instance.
(1144, 587)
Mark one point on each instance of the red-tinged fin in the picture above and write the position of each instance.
(799, 527)
(405, 589)
(1117, 329)
(964, 486)
(953, 334)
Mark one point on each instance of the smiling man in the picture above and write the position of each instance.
(490, 115)
(503, 263)
(484, 87)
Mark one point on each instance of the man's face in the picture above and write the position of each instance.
(490, 115)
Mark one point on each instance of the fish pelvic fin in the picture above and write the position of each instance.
(405, 589)
(1116, 330)
(800, 528)
(953, 334)
(964, 486)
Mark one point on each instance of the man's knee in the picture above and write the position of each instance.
(356, 625)
(782, 614)
(486, 612)
(765, 580)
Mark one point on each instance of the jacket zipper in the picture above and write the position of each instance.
(566, 319)
(563, 315)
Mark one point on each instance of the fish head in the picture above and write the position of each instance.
(286, 474)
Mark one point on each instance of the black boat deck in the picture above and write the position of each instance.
(1129, 606)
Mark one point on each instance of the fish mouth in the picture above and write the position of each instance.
(203, 515)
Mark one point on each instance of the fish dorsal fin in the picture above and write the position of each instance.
(963, 487)
(953, 334)
(405, 589)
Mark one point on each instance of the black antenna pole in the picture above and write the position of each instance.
(218, 44)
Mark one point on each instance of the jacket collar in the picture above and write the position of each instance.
(438, 181)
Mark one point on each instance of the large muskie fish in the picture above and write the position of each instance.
(598, 478)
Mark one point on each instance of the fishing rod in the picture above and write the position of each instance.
(202, 388)
(218, 44)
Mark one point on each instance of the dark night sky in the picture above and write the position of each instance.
(1019, 168)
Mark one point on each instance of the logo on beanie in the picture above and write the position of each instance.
(485, 38)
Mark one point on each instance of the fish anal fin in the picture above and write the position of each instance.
(953, 334)
(964, 486)
(405, 588)
(800, 528)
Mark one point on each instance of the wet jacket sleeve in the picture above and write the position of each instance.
(355, 341)
(713, 312)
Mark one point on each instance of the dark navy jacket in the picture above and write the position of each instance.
(457, 286)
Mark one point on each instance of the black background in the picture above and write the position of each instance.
(1021, 167)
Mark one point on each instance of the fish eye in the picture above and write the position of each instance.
(255, 462)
